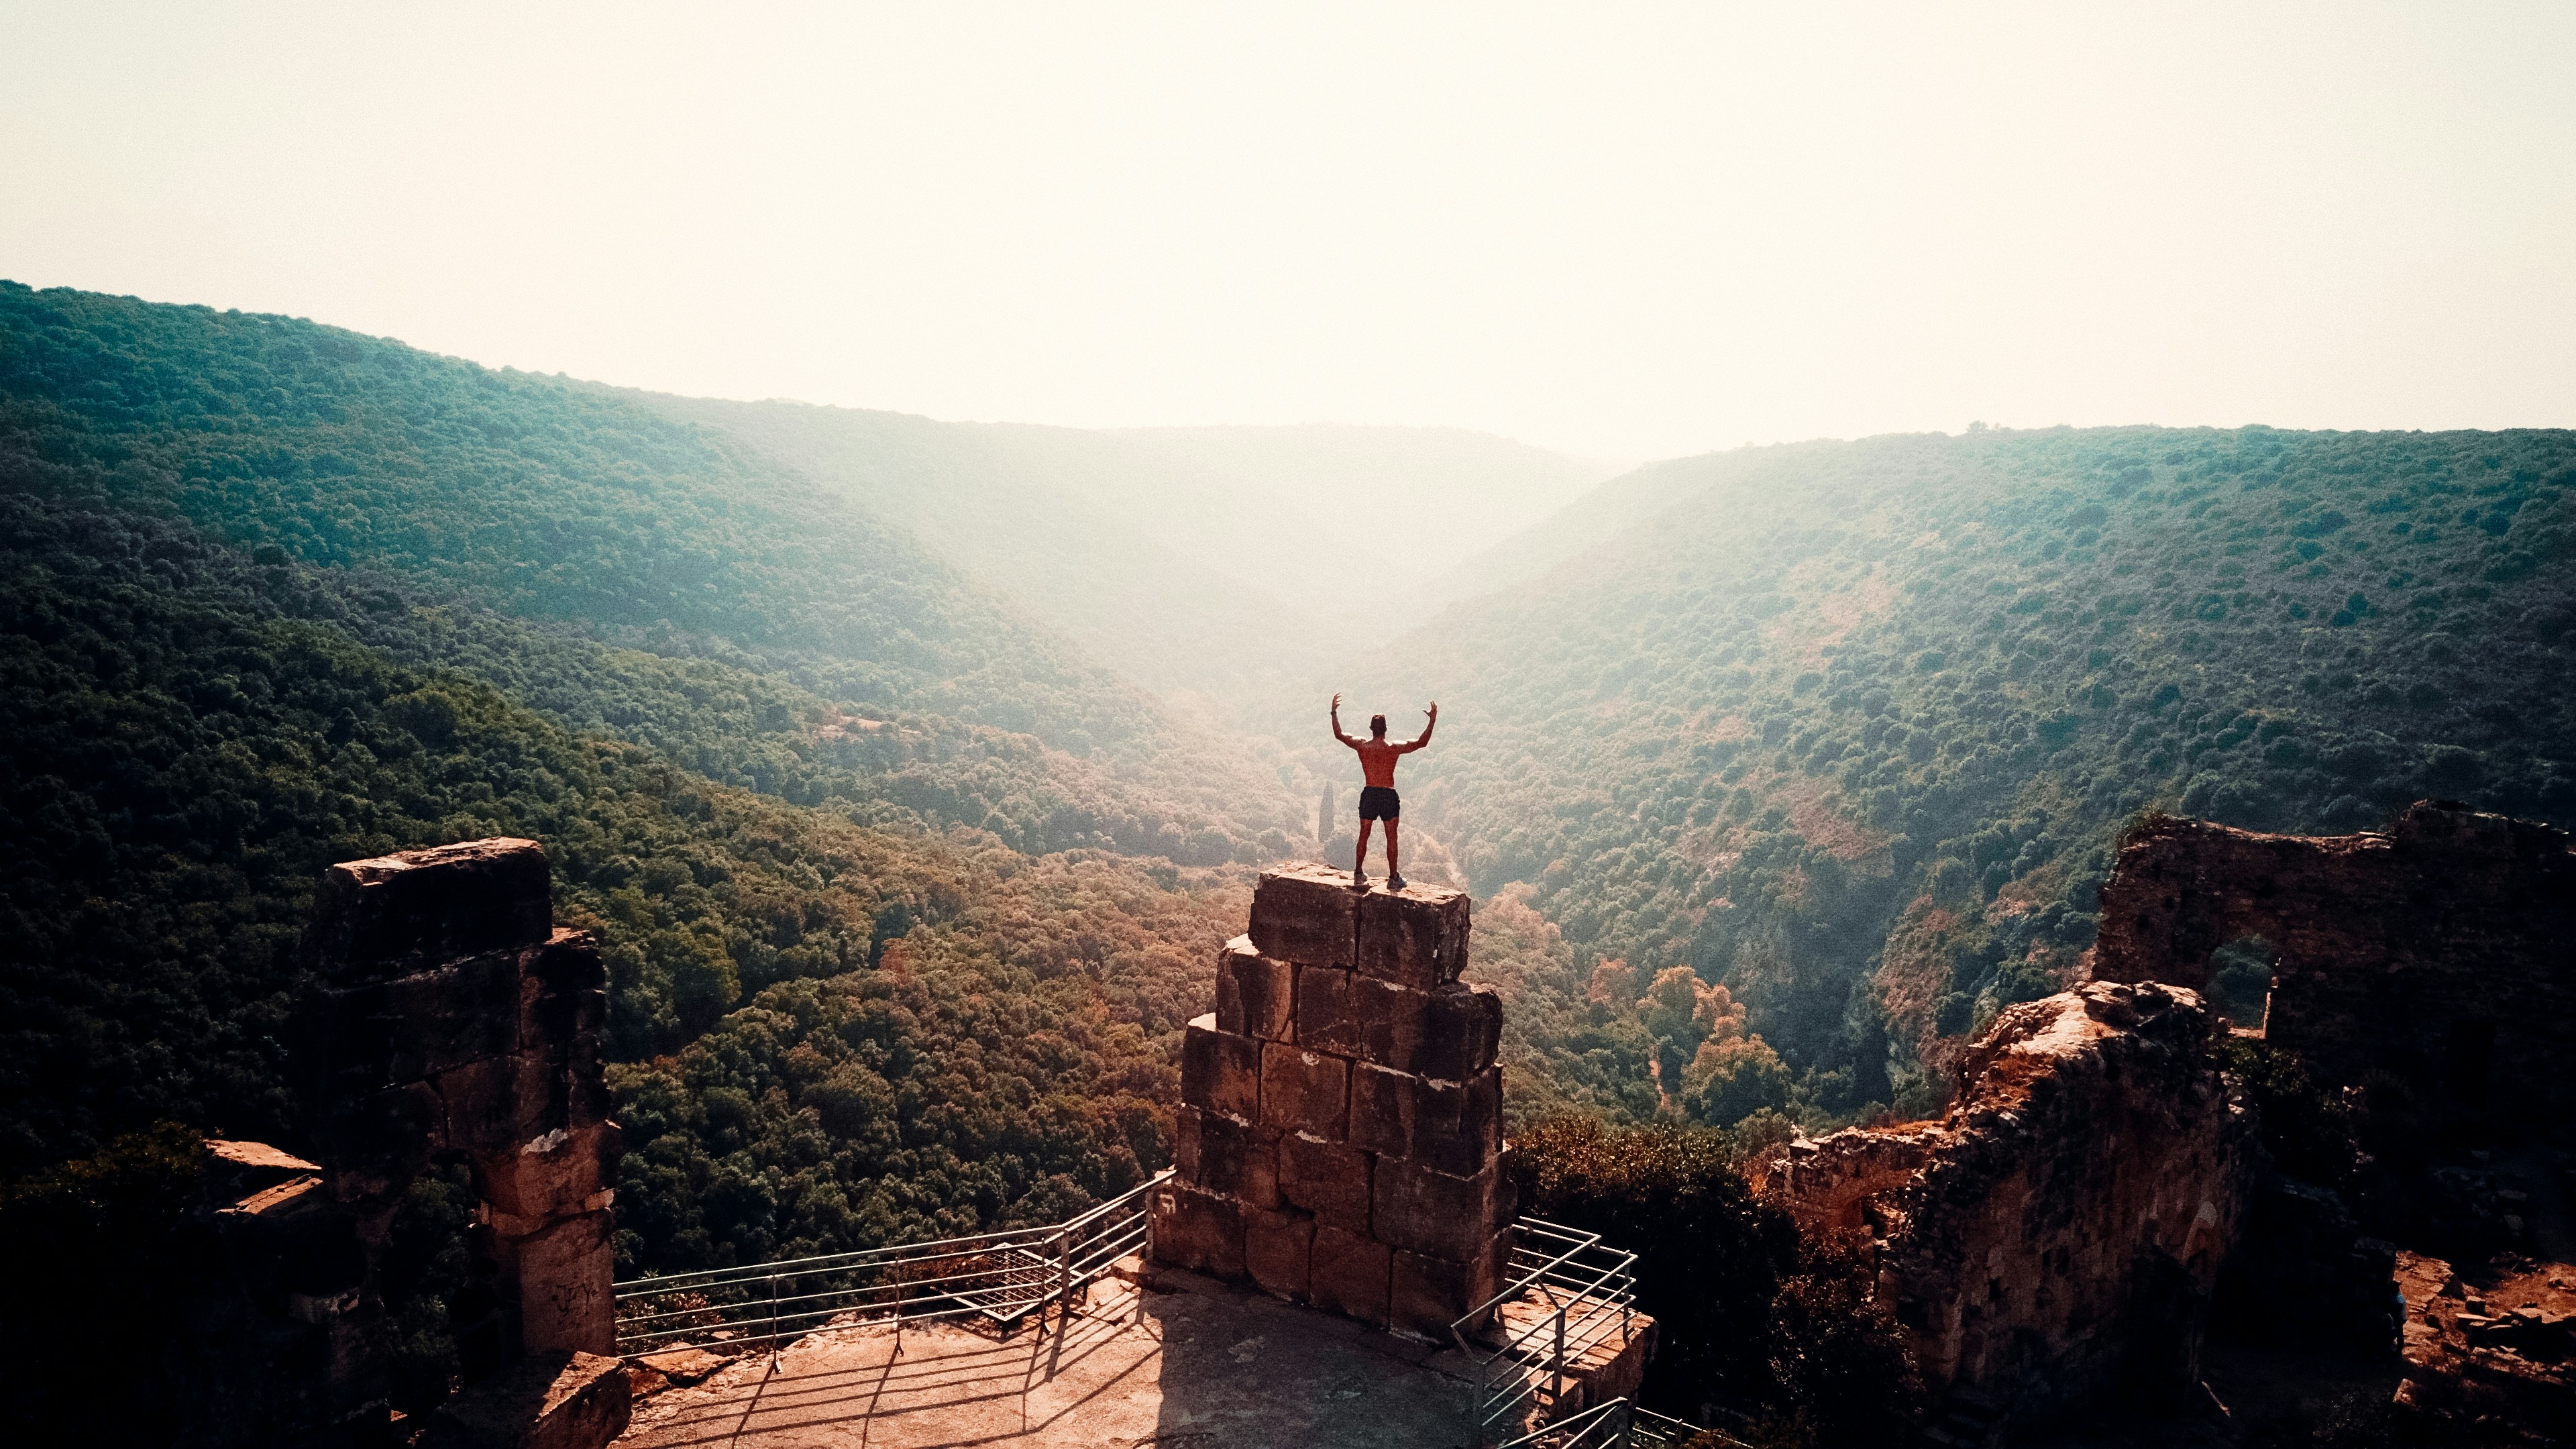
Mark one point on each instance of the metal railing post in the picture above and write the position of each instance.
(1556, 1366)
(1063, 1277)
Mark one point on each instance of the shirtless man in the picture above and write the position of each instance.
(1378, 800)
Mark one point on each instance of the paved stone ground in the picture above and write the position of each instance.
(1209, 1367)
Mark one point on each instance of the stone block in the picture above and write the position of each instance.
(1220, 1071)
(1238, 1160)
(1423, 1210)
(1382, 1110)
(1426, 1295)
(564, 1271)
(586, 1097)
(238, 1168)
(374, 1144)
(290, 1237)
(1255, 995)
(556, 1173)
(1328, 1014)
(1391, 1021)
(1277, 1245)
(1462, 1033)
(1305, 1091)
(685, 1367)
(375, 919)
(1328, 1179)
(1185, 1142)
(566, 989)
(495, 1105)
(1348, 1274)
(464, 1012)
(1305, 913)
(545, 1401)
(1416, 937)
(1451, 1032)
(405, 1028)
(1455, 1127)
(1197, 1231)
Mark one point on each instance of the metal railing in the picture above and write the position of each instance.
(1000, 1276)
(1617, 1424)
(1650, 1430)
(1566, 1293)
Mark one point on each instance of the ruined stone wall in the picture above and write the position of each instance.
(1341, 1133)
(2443, 951)
(2058, 1234)
(449, 1020)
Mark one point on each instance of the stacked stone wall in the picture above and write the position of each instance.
(1341, 1130)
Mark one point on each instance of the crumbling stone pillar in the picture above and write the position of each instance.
(1341, 1134)
(450, 1021)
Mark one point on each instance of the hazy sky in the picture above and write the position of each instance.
(1622, 230)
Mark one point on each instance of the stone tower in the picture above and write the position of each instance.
(449, 1021)
(1341, 1139)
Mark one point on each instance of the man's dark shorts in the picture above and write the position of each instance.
(1379, 803)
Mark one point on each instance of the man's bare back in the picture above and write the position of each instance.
(1378, 800)
(1377, 760)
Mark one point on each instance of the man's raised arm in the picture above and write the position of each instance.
(1427, 726)
(1337, 724)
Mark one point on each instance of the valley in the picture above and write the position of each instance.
(911, 772)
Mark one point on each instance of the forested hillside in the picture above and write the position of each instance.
(838, 1035)
(1847, 729)
(503, 494)
(903, 899)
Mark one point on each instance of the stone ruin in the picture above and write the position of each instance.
(2435, 961)
(1341, 1135)
(448, 1021)
(2058, 1234)
(2062, 1230)
(2442, 951)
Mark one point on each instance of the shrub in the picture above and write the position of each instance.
(100, 1239)
(1709, 1257)
(1839, 1363)
(2305, 1127)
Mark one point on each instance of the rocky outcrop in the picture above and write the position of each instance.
(2442, 951)
(2059, 1233)
(1341, 1134)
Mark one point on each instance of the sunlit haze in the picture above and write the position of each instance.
(1622, 232)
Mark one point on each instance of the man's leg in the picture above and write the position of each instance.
(1359, 861)
(1394, 872)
